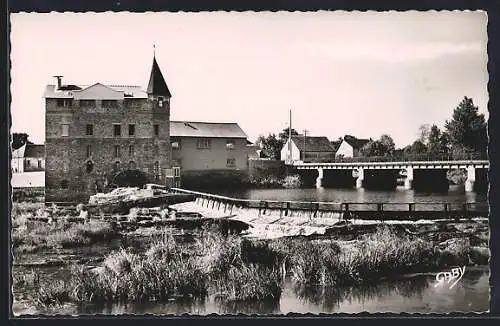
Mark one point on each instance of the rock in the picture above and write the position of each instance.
(479, 255)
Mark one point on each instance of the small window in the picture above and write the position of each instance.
(28, 163)
(157, 150)
(90, 130)
(160, 101)
(62, 102)
(132, 165)
(176, 144)
(131, 129)
(87, 103)
(89, 150)
(177, 171)
(117, 151)
(157, 171)
(131, 150)
(65, 130)
(203, 143)
(156, 130)
(89, 166)
(117, 165)
(109, 103)
(117, 130)
(64, 184)
(230, 144)
(39, 164)
(231, 162)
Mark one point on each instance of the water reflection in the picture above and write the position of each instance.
(412, 293)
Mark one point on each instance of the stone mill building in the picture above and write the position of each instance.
(95, 132)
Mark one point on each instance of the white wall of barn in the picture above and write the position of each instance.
(345, 150)
(285, 152)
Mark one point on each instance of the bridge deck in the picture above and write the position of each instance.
(391, 165)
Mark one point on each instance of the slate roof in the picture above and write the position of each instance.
(313, 144)
(356, 143)
(206, 129)
(34, 150)
(129, 91)
(157, 84)
(336, 144)
(19, 153)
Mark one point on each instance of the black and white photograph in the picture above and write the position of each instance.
(267, 163)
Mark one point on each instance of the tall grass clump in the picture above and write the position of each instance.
(383, 253)
(130, 277)
(235, 273)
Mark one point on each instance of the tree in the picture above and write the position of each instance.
(435, 144)
(284, 134)
(423, 133)
(388, 142)
(381, 147)
(270, 145)
(19, 139)
(418, 147)
(467, 128)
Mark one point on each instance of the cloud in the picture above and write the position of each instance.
(391, 52)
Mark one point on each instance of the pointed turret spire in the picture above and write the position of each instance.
(157, 84)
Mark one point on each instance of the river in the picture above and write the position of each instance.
(415, 293)
(455, 194)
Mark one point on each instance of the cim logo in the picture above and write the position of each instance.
(455, 275)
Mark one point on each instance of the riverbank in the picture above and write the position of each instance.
(157, 264)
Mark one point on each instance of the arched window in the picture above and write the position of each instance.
(89, 166)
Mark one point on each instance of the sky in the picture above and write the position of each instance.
(358, 73)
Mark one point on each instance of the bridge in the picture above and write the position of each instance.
(418, 171)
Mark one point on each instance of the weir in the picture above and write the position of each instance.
(337, 210)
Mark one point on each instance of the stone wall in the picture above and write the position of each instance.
(80, 164)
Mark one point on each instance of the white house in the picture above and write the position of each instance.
(17, 162)
(350, 146)
(309, 149)
(28, 158)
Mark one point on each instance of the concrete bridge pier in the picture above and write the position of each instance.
(471, 179)
(360, 177)
(319, 179)
(409, 178)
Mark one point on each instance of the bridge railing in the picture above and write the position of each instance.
(403, 158)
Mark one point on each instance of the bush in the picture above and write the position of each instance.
(292, 181)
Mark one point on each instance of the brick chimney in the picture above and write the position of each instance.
(59, 81)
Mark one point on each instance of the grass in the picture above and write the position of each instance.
(378, 255)
(236, 269)
(32, 236)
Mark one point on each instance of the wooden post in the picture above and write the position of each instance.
(346, 213)
(287, 208)
(316, 209)
(466, 210)
(380, 209)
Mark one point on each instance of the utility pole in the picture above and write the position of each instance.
(304, 155)
(290, 138)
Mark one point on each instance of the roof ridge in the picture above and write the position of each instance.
(206, 122)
